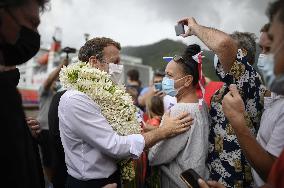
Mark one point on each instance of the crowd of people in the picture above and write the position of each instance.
(229, 132)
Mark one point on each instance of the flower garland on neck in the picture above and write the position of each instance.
(116, 105)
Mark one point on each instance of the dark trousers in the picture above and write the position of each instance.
(95, 183)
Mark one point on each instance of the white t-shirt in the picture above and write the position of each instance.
(271, 132)
(169, 102)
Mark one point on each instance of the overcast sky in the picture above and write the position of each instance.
(140, 22)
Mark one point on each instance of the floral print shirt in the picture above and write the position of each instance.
(227, 164)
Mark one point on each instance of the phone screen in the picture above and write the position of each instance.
(179, 28)
(158, 86)
(190, 177)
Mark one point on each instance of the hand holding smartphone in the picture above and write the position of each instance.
(158, 86)
(190, 177)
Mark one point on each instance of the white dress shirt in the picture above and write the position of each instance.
(92, 148)
(271, 131)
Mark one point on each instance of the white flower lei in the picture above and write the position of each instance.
(116, 105)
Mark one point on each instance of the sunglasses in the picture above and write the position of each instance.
(178, 58)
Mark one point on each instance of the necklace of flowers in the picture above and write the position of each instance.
(116, 105)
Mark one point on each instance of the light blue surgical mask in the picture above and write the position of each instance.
(261, 62)
(265, 66)
(273, 83)
(116, 73)
(168, 86)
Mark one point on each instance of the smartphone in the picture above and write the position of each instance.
(190, 177)
(179, 28)
(158, 86)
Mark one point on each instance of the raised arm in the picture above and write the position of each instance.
(53, 75)
(219, 42)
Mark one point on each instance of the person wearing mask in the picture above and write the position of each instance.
(155, 90)
(87, 137)
(188, 150)
(270, 140)
(20, 41)
(234, 53)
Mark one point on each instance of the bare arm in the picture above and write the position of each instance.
(53, 75)
(148, 127)
(219, 42)
(171, 127)
(152, 92)
(142, 99)
(234, 110)
(263, 161)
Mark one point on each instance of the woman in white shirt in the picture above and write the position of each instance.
(188, 150)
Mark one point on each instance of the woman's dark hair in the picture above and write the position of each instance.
(190, 66)
(155, 106)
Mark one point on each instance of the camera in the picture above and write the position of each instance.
(69, 50)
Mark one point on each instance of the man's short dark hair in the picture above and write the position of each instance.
(274, 8)
(133, 75)
(95, 47)
(265, 28)
(18, 3)
(159, 73)
(246, 41)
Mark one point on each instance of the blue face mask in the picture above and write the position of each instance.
(168, 86)
(261, 63)
(265, 66)
(274, 83)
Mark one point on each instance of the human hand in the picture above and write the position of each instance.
(233, 105)
(34, 126)
(113, 185)
(65, 62)
(159, 93)
(191, 23)
(175, 126)
(209, 184)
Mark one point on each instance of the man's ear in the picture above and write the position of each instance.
(93, 61)
(188, 81)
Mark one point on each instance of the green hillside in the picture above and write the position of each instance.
(152, 55)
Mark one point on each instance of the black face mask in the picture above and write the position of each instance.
(26, 46)
(24, 49)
